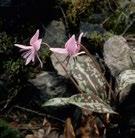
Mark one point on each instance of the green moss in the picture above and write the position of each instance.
(12, 67)
(6, 43)
(44, 53)
(109, 13)
(97, 38)
(7, 132)
(122, 19)
(73, 10)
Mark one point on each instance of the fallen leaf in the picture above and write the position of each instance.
(69, 130)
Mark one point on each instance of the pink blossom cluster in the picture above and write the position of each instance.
(30, 53)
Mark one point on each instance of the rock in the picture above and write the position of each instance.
(45, 86)
(117, 55)
(51, 85)
(96, 18)
(125, 2)
(90, 28)
(55, 34)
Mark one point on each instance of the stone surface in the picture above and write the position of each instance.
(45, 86)
(88, 28)
(120, 59)
(117, 55)
(55, 34)
(125, 2)
(51, 85)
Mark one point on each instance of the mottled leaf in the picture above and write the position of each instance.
(88, 76)
(90, 102)
(125, 82)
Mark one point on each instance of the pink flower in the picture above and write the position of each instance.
(30, 52)
(72, 47)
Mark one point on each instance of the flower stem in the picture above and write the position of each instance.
(69, 76)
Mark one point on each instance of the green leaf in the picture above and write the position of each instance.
(89, 102)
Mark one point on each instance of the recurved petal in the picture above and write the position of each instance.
(37, 44)
(71, 41)
(23, 46)
(80, 37)
(34, 38)
(41, 63)
(79, 42)
(59, 50)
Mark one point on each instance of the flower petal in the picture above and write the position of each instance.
(34, 55)
(24, 50)
(34, 38)
(23, 46)
(71, 45)
(80, 37)
(26, 54)
(79, 42)
(59, 50)
(29, 59)
(71, 41)
(80, 53)
(37, 44)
